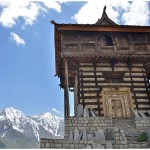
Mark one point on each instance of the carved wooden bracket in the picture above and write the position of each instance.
(129, 63)
(113, 62)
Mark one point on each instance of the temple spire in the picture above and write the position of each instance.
(105, 20)
(104, 9)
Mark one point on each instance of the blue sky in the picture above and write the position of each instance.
(27, 54)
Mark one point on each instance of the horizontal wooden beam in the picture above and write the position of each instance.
(103, 81)
(144, 108)
(107, 66)
(89, 97)
(90, 71)
(141, 97)
(143, 103)
(140, 92)
(96, 109)
(89, 91)
(90, 103)
(113, 86)
(103, 76)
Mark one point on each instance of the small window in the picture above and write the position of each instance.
(108, 40)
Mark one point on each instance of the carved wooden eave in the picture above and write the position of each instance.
(105, 20)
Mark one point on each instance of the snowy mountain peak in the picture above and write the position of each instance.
(12, 115)
(47, 116)
(12, 112)
(35, 127)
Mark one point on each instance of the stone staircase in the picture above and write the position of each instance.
(131, 133)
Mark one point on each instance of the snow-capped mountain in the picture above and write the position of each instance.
(46, 125)
(54, 124)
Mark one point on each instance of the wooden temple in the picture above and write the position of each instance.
(106, 65)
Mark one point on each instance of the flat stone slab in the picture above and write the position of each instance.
(109, 145)
(76, 134)
(136, 113)
(84, 137)
(142, 114)
(70, 135)
(80, 110)
(93, 113)
(86, 112)
(99, 135)
(88, 146)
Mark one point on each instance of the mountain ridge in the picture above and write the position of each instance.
(46, 125)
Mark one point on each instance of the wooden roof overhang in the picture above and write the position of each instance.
(59, 28)
(98, 58)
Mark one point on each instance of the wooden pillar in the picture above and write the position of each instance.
(66, 90)
(98, 89)
(75, 94)
(147, 87)
(132, 86)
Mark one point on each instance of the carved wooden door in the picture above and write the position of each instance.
(117, 105)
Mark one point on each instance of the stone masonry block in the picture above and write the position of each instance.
(116, 138)
(137, 146)
(82, 121)
(143, 121)
(139, 125)
(130, 145)
(91, 121)
(147, 121)
(80, 146)
(52, 145)
(72, 146)
(103, 124)
(66, 146)
(76, 146)
(47, 145)
(124, 142)
(86, 121)
(125, 146)
(44, 140)
(116, 146)
(118, 142)
(42, 145)
(143, 145)
(94, 124)
(58, 145)
(93, 128)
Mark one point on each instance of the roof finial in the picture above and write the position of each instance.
(104, 20)
(104, 9)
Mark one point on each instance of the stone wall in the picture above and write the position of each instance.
(142, 123)
(87, 137)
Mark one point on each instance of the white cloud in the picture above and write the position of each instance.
(27, 9)
(56, 111)
(138, 14)
(17, 39)
(122, 12)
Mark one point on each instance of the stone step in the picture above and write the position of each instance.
(124, 124)
(138, 145)
(122, 120)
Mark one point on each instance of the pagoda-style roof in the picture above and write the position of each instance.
(104, 24)
(104, 20)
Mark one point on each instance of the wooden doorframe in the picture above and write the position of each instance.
(119, 90)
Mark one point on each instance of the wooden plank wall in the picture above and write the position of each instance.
(91, 81)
